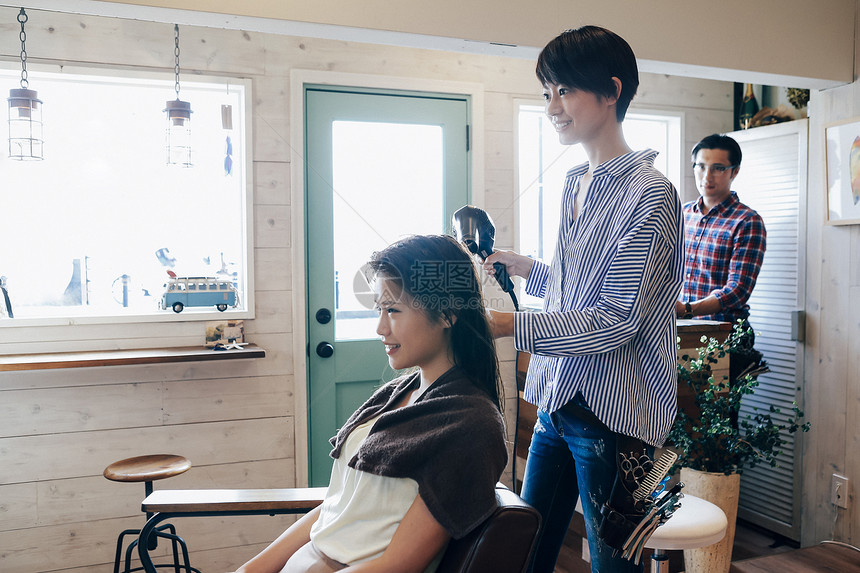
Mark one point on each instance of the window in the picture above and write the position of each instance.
(543, 163)
(93, 231)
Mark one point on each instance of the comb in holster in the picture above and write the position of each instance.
(655, 475)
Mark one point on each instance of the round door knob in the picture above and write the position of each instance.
(325, 349)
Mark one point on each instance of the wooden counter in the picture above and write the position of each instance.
(691, 331)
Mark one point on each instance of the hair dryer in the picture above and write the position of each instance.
(474, 229)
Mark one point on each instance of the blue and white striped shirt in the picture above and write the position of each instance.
(607, 329)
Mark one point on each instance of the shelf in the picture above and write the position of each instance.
(53, 360)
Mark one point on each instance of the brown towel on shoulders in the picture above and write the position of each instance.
(451, 441)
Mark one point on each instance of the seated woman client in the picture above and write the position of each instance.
(416, 464)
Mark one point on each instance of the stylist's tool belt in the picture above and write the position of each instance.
(639, 503)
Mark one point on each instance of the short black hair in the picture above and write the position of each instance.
(587, 59)
(720, 141)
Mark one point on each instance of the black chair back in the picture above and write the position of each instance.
(504, 543)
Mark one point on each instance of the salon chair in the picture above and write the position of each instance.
(504, 543)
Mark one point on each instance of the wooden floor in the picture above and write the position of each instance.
(751, 542)
(823, 558)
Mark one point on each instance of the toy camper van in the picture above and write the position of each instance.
(180, 292)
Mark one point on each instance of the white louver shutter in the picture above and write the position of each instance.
(772, 180)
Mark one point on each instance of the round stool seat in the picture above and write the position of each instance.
(147, 468)
(697, 523)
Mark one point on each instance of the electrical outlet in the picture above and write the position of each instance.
(839, 491)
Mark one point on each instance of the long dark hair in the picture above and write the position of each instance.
(440, 277)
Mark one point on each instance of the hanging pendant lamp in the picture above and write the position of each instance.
(25, 111)
(178, 114)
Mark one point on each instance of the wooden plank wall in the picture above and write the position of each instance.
(235, 420)
(832, 389)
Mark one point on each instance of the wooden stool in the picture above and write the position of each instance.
(148, 469)
(697, 523)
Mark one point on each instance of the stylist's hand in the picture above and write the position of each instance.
(501, 323)
(517, 265)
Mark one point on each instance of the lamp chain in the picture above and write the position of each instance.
(176, 54)
(22, 18)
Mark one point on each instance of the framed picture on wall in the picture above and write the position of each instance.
(842, 169)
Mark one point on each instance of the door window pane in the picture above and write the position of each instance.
(388, 183)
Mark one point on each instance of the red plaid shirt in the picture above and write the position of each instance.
(723, 255)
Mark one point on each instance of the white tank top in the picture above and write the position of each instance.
(361, 510)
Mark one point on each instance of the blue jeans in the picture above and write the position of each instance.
(570, 458)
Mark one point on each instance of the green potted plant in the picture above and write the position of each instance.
(715, 444)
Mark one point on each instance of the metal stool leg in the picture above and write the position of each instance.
(160, 531)
(153, 541)
(128, 553)
(659, 561)
(118, 559)
(151, 529)
(175, 544)
(181, 542)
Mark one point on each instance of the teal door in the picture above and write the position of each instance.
(378, 166)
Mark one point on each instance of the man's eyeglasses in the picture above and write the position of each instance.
(716, 168)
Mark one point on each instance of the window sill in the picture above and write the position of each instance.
(53, 360)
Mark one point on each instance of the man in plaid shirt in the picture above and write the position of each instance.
(724, 239)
